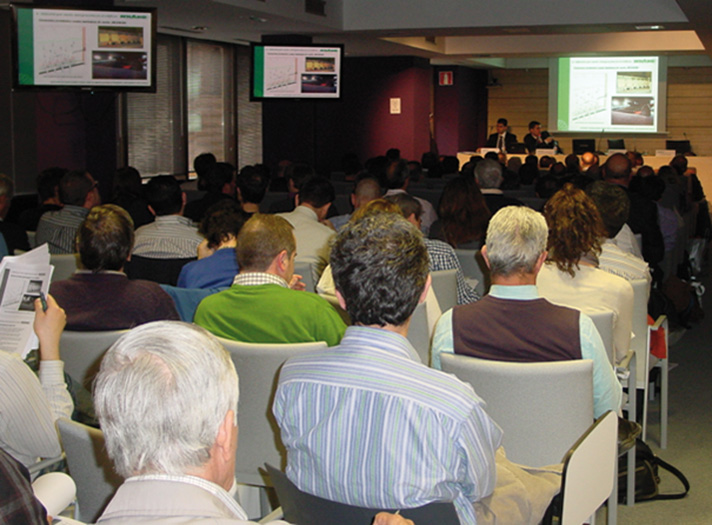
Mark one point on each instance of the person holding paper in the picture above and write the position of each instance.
(29, 406)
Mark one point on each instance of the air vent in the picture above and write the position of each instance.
(315, 7)
(184, 29)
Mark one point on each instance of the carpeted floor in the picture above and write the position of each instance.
(690, 431)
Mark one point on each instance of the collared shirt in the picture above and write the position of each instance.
(312, 237)
(626, 241)
(29, 408)
(365, 423)
(257, 278)
(18, 503)
(168, 237)
(59, 228)
(442, 257)
(614, 260)
(607, 391)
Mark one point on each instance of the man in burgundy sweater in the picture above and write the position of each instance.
(100, 296)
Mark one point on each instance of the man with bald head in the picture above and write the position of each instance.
(643, 216)
(366, 190)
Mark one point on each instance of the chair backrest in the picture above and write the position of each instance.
(418, 333)
(445, 288)
(82, 352)
(543, 408)
(589, 471)
(300, 507)
(162, 271)
(31, 239)
(471, 268)
(258, 367)
(604, 324)
(65, 264)
(89, 466)
(639, 343)
(308, 269)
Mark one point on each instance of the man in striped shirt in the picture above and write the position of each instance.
(79, 193)
(171, 236)
(365, 422)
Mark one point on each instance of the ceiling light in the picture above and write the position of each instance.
(200, 28)
(654, 27)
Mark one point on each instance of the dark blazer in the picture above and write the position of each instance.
(15, 237)
(509, 140)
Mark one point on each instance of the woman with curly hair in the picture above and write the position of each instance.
(570, 276)
(463, 215)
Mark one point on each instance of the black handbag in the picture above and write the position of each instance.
(647, 478)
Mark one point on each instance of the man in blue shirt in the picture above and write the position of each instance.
(365, 422)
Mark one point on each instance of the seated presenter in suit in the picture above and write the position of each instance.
(503, 140)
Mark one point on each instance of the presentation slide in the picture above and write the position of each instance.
(68, 47)
(296, 72)
(609, 94)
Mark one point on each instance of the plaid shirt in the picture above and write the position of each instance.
(442, 257)
(18, 504)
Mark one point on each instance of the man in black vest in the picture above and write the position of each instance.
(512, 323)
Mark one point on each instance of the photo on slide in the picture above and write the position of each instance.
(634, 82)
(633, 111)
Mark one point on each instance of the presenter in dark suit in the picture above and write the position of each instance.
(502, 140)
(536, 139)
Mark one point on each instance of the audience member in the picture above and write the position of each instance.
(260, 307)
(100, 296)
(546, 186)
(589, 161)
(313, 236)
(488, 174)
(15, 235)
(397, 182)
(166, 396)
(295, 174)
(28, 406)
(171, 235)
(450, 167)
(440, 254)
(252, 183)
(463, 215)
(613, 206)
(529, 171)
(570, 276)
(643, 216)
(366, 190)
(512, 323)
(202, 165)
(18, 504)
(78, 193)
(219, 185)
(48, 197)
(342, 426)
(128, 193)
(217, 263)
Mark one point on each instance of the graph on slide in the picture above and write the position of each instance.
(59, 49)
(281, 73)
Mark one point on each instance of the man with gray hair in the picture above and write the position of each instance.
(166, 397)
(488, 174)
(512, 323)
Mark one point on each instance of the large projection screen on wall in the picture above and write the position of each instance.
(608, 94)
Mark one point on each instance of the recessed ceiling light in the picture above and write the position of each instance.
(258, 19)
(654, 27)
(200, 28)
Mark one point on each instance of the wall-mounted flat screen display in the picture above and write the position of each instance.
(86, 48)
(293, 71)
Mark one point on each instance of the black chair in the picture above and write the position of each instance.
(161, 271)
(616, 143)
(582, 146)
(300, 507)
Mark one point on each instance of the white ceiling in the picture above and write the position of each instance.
(469, 32)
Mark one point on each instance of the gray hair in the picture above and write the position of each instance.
(488, 174)
(516, 237)
(161, 394)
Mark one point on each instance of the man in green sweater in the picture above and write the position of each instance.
(266, 302)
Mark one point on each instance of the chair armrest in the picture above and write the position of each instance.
(276, 514)
(658, 323)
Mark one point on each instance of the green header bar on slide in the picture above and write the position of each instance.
(258, 87)
(25, 47)
(564, 82)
